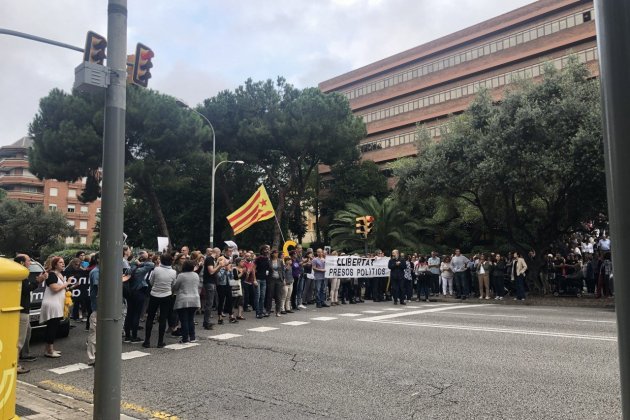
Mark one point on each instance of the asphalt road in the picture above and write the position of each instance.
(425, 360)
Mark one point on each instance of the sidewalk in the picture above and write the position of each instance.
(34, 403)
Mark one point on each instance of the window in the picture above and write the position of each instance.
(52, 207)
(69, 240)
(83, 224)
(84, 209)
(70, 208)
(83, 239)
(70, 223)
(53, 192)
(72, 193)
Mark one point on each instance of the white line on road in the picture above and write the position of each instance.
(133, 355)
(324, 318)
(295, 323)
(180, 346)
(392, 309)
(495, 315)
(422, 311)
(226, 336)
(263, 329)
(350, 314)
(500, 330)
(70, 368)
(592, 320)
(372, 312)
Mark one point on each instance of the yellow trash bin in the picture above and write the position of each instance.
(11, 276)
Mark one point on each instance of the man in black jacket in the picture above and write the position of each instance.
(397, 277)
(29, 284)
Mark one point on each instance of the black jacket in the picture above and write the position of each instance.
(397, 271)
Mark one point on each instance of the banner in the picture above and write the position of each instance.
(356, 267)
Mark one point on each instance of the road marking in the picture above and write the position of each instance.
(422, 311)
(226, 336)
(133, 355)
(70, 368)
(473, 314)
(499, 330)
(393, 309)
(180, 346)
(295, 323)
(323, 318)
(350, 314)
(372, 312)
(262, 329)
(84, 395)
(592, 320)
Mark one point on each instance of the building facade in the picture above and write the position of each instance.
(430, 83)
(20, 184)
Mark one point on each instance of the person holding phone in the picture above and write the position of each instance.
(53, 304)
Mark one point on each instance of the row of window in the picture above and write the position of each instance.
(83, 224)
(473, 53)
(400, 139)
(72, 208)
(472, 88)
(72, 240)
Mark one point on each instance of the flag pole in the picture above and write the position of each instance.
(279, 228)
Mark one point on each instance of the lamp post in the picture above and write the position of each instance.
(185, 105)
(214, 171)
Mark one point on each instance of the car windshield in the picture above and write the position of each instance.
(35, 267)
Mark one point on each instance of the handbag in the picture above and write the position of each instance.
(235, 285)
(310, 275)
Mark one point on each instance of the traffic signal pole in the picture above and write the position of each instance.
(613, 40)
(109, 314)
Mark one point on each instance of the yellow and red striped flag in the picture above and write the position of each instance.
(256, 209)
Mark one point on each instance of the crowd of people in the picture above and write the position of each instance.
(170, 288)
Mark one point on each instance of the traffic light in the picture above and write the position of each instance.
(142, 65)
(369, 224)
(360, 225)
(95, 46)
(131, 61)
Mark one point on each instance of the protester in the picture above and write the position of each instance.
(483, 275)
(459, 265)
(53, 304)
(224, 290)
(288, 286)
(95, 274)
(319, 269)
(275, 283)
(446, 270)
(499, 270)
(262, 269)
(160, 298)
(518, 275)
(138, 286)
(186, 289)
(424, 277)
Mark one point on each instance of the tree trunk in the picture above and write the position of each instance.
(154, 204)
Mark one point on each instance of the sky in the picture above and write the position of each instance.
(205, 46)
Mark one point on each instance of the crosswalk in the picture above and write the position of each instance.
(228, 336)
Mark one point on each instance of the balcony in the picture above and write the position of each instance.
(27, 197)
(11, 163)
(20, 180)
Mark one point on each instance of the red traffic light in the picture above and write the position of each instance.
(142, 65)
(95, 46)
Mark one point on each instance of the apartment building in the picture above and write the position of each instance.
(429, 83)
(20, 184)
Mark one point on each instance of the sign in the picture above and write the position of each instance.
(285, 248)
(162, 243)
(356, 267)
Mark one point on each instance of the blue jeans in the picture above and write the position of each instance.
(461, 283)
(320, 291)
(299, 285)
(260, 292)
(187, 321)
(520, 287)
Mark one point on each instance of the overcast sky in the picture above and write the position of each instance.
(205, 46)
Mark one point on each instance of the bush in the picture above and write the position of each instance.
(69, 252)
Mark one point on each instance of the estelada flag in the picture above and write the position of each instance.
(256, 209)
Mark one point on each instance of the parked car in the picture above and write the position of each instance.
(36, 302)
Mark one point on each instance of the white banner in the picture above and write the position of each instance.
(356, 267)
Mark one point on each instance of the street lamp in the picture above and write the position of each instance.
(214, 171)
(214, 167)
(185, 105)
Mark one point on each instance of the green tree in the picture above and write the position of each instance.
(393, 226)
(283, 133)
(530, 167)
(351, 181)
(160, 140)
(26, 229)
